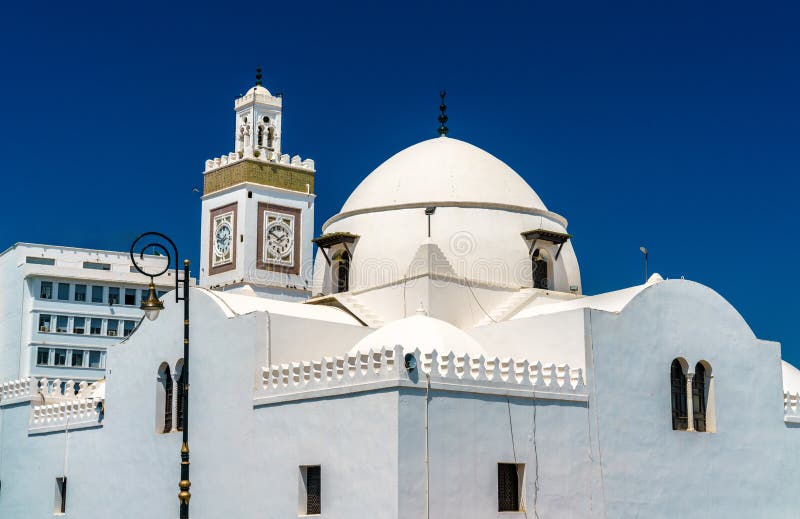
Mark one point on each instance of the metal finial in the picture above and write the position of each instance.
(443, 116)
(258, 76)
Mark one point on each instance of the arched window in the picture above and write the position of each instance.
(342, 271)
(260, 135)
(699, 397)
(678, 385)
(180, 401)
(540, 268)
(164, 400)
(270, 136)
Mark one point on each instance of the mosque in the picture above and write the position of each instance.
(436, 358)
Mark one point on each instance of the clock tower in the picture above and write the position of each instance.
(258, 208)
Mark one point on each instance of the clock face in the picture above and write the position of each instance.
(223, 239)
(279, 239)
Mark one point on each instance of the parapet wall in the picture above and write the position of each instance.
(791, 407)
(387, 368)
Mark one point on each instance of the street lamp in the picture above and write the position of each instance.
(646, 263)
(152, 306)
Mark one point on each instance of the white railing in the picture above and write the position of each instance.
(386, 368)
(22, 390)
(68, 414)
(791, 407)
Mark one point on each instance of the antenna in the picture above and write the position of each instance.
(646, 263)
(443, 116)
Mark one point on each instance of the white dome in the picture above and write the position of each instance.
(791, 378)
(442, 170)
(423, 332)
(260, 90)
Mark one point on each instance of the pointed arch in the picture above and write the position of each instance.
(541, 267)
(678, 395)
(164, 392)
(341, 271)
(260, 138)
(270, 137)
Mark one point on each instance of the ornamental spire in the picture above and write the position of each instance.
(258, 76)
(443, 116)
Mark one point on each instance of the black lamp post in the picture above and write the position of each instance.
(151, 309)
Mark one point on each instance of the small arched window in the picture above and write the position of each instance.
(699, 397)
(342, 271)
(180, 402)
(260, 135)
(270, 136)
(540, 267)
(164, 399)
(679, 401)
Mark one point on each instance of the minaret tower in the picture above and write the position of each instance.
(258, 208)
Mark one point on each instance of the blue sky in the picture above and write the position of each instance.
(673, 125)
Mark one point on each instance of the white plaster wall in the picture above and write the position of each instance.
(651, 471)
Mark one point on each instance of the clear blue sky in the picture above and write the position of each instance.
(673, 125)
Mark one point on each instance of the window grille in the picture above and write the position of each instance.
(167, 400)
(678, 383)
(313, 490)
(699, 397)
(508, 487)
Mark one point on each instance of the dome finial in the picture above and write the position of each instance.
(443, 116)
(258, 76)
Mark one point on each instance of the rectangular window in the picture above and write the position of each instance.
(95, 359)
(79, 325)
(80, 292)
(44, 323)
(97, 294)
(130, 296)
(42, 356)
(112, 327)
(77, 358)
(160, 293)
(509, 486)
(145, 293)
(63, 291)
(127, 327)
(62, 324)
(96, 266)
(310, 490)
(96, 326)
(59, 357)
(113, 295)
(40, 261)
(46, 290)
(60, 506)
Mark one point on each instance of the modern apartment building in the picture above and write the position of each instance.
(62, 307)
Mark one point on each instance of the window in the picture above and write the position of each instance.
(96, 266)
(97, 294)
(145, 293)
(164, 403)
(179, 404)
(96, 326)
(270, 137)
(342, 261)
(160, 293)
(699, 397)
(44, 323)
(46, 290)
(113, 295)
(59, 357)
(678, 385)
(95, 359)
(42, 356)
(130, 296)
(60, 506)
(260, 135)
(40, 261)
(77, 358)
(63, 291)
(509, 480)
(540, 270)
(127, 327)
(62, 324)
(310, 490)
(79, 325)
(112, 327)
(80, 292)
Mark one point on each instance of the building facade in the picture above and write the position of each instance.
(62, 307)
(447, 364)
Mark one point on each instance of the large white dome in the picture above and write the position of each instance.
(442, 170)
(423, 332)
